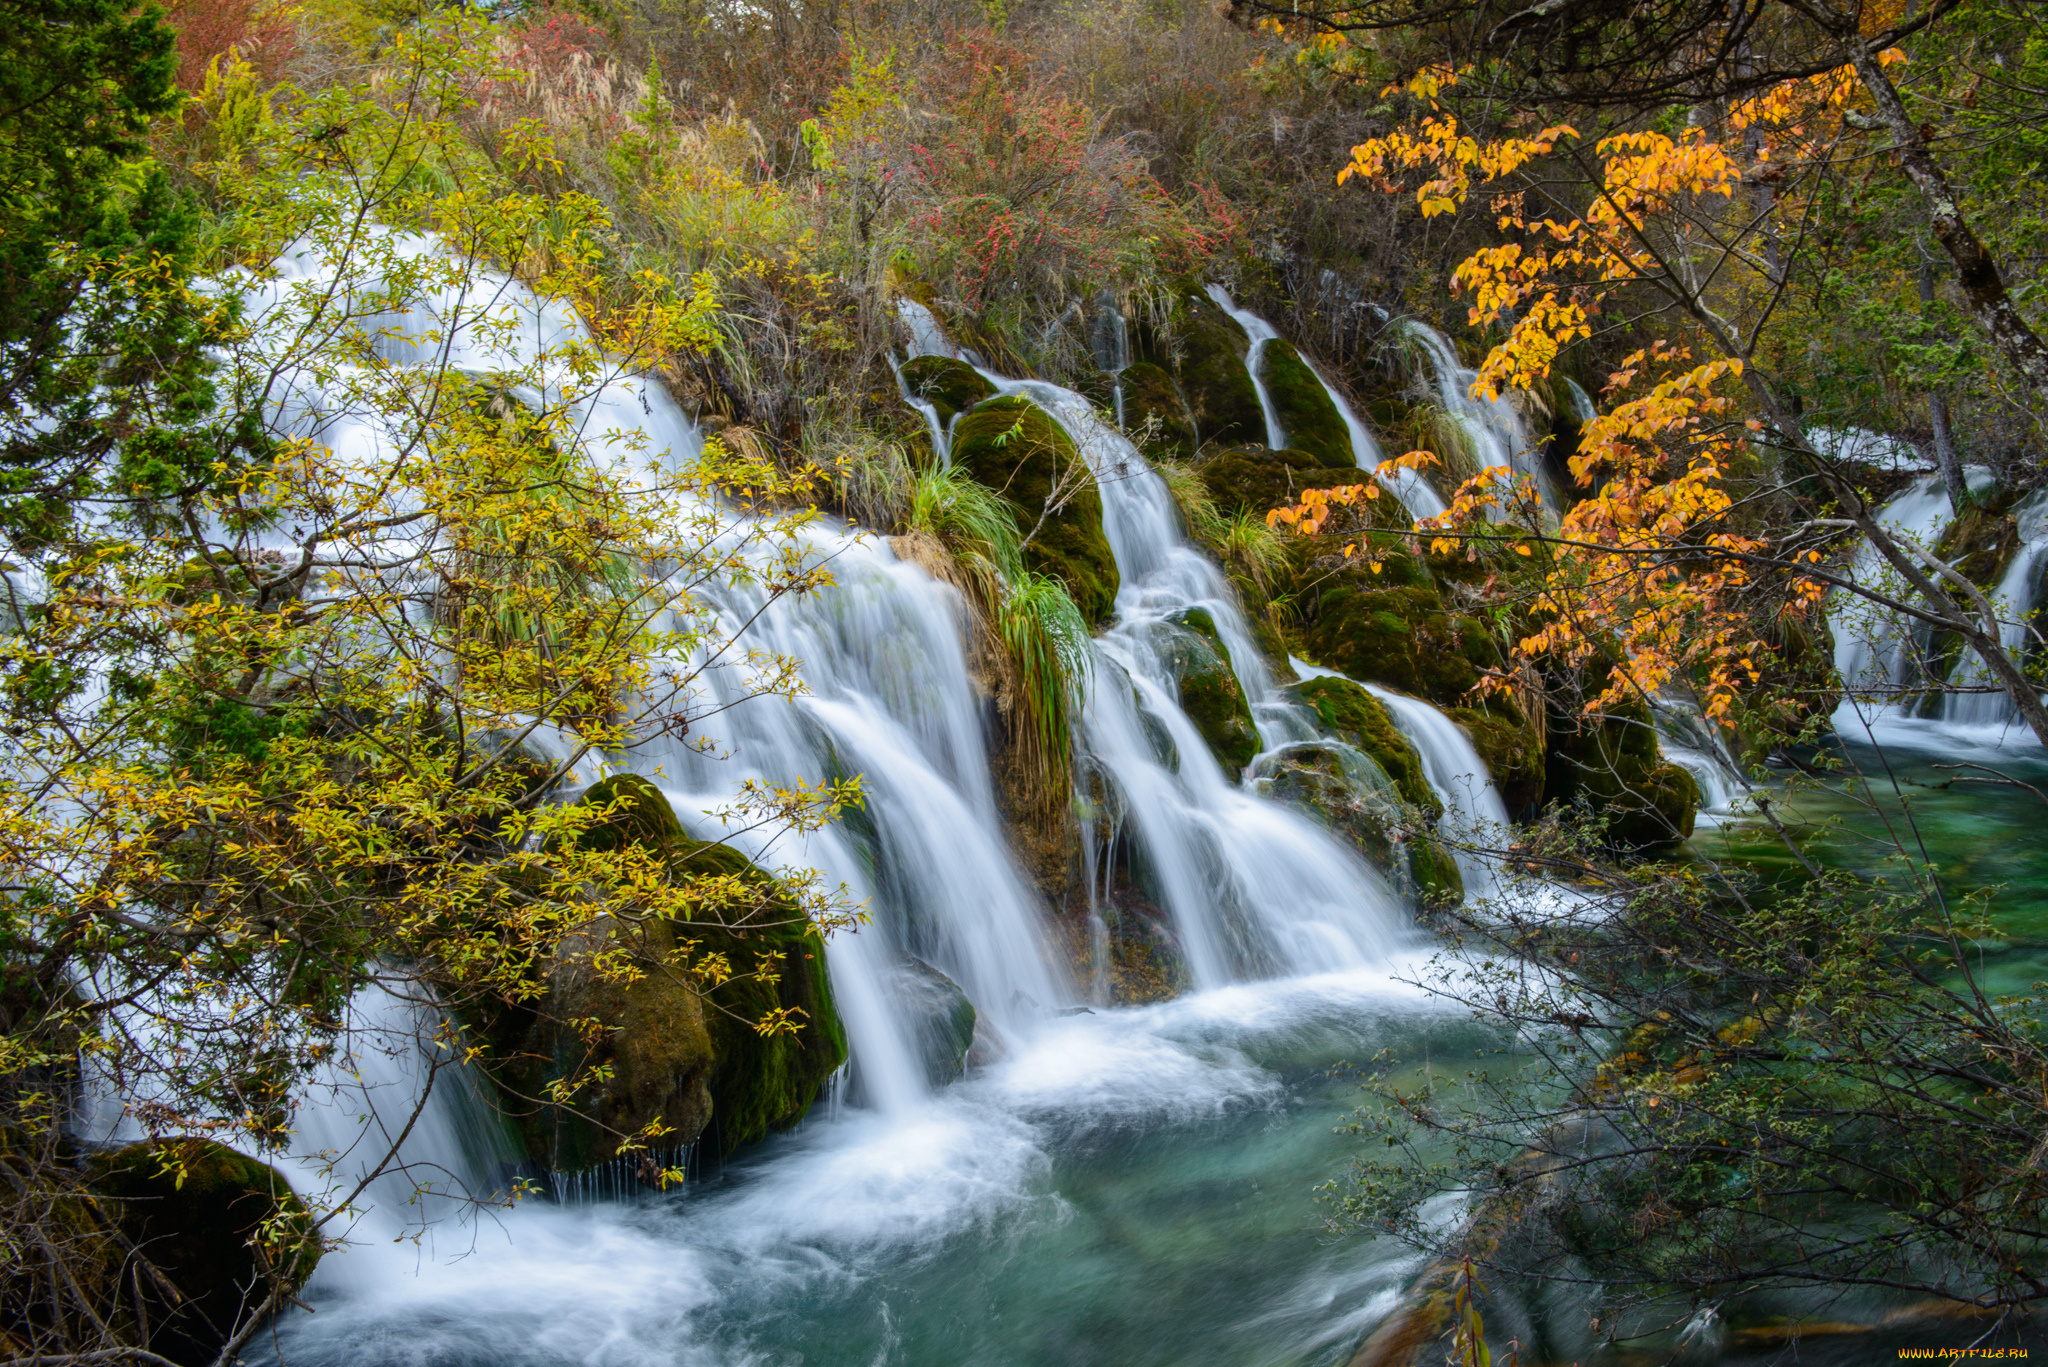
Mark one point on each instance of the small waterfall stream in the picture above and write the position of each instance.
(1494, 429)
(1416, 493)
(2014, 599)
(1259, 332)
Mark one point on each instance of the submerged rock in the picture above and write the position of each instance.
(1016, 448)
(214, 1225)
(945, 1025)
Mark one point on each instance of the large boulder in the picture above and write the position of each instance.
(670, 1046)
(1016, 448)
(1309, 420)
(215, 1223)
(949, 385)
(1209, 691)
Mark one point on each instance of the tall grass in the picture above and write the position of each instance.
(1046, 639)
(971, 518)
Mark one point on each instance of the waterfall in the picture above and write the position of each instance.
(1877, 653)
(1695, 745)
(1495, 430)
(888, 697)
(1109, 338)
(942, 444)
(1260, 332)
(2014, 600)
(1416, 493)
(1253, 888)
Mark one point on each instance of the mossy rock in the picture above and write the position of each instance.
(1512, 749)
(758, 1082)
(1209, 691)
(1309, 420)
(1980, 542)
(1399, 635)
(1435, 872)
(202, 1233)
(1154, 408)
(680, 1053)
(1255, 479)
(1610, 764)
(1205, 349)
(950, 386)
(1016, 448)
(1345, 791)
(942, 1018)
(1350, 713)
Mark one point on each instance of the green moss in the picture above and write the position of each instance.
(1209, 691)
(1511, 748)
(1204, 349)
(1353, 715)
(1253, 479)
(764, 1082)
(1016, 448)
(1308, 418)
(1371, 627)
(1435, 872)
(679, 1053)
(1154, 408)
(198, 1231)
(1344, 790)
(1610, 764)
(950, 386)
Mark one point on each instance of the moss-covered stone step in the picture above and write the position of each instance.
(1309, 420)
(950, 386)
(1017, 449)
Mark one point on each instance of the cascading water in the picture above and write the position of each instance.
(1474, 814)
(1258, 332)
(1876, 654)
(847, 1232)
(1494, 429)
(1415, 492)
(1696, 745)
(1253, 888)
(1980, 703)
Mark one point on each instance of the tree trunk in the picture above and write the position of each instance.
(1983, 287)
(1937, 410)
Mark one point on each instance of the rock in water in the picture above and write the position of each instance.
(208, 1219)
(944, 1020)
